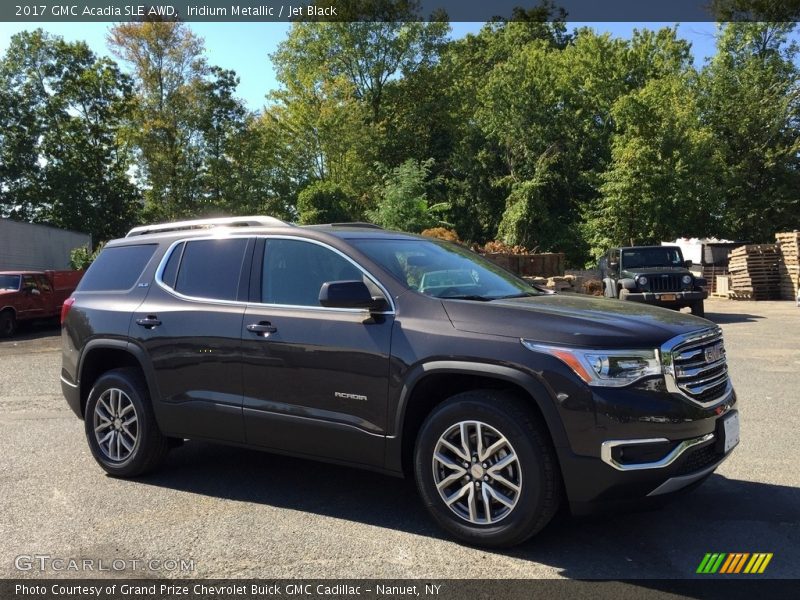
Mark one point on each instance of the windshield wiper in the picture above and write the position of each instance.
(468, 297)
(520, 295)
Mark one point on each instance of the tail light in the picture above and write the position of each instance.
(65, 308)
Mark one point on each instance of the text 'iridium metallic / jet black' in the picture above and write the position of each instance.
(397, 353)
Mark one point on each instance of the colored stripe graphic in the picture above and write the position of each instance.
(733, 563)
(711, 562)
(758, 563)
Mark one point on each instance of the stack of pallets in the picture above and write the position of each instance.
(789, 266)
(754, 272)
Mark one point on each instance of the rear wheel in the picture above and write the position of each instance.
(698, 309)
(8, 324)
(486, 469)
(120, 426)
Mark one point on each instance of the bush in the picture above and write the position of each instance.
(80, 258)
(403, 202)
(325, 202)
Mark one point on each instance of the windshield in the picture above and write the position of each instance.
(658, 256)
(444, 270)
(9, 282)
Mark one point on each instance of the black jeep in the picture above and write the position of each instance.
(654, 275)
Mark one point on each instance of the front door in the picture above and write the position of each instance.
(315, 378)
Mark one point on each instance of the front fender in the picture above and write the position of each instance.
(536, 388)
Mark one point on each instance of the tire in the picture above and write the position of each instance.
(489, 522)
(698, 309)
(8, 324)
(119, 407)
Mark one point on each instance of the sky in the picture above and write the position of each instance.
(245, 47)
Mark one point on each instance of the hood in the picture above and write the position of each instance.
(650, 270)
(590, 322)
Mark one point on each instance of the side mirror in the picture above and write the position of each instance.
(349, 294)
(688, 264)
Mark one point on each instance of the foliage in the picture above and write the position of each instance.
(499, 247)
(62, 160)
(403, 199)
(81, 258)
(324, 202)
(442, 233)
(525, 132)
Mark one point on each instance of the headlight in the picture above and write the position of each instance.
(686, 279)
(642, 280)
(604, 368)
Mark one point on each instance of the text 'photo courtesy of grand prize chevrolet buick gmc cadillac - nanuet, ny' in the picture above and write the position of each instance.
(397, 353)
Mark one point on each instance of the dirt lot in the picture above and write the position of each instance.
(237, 513)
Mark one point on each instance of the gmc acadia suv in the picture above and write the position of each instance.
(393, 352)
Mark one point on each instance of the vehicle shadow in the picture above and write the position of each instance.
(722, 515)
(726, 318)
(34, 331)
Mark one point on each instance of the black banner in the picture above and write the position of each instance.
(730, 588)
(400, 10)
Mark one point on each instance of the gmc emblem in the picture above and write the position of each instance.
(714, 353)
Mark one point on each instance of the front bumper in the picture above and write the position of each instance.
(643, 446)
(679, 298)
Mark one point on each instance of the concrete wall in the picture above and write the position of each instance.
(37, 247)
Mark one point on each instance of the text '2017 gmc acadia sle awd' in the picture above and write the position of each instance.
(393, 352)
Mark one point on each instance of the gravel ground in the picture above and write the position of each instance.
(240, 513)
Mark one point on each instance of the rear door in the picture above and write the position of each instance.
(315, 378)
(190, 326)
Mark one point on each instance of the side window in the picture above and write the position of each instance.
(44, 283)
(170, 273)
(211, 268)
(294, 271)
(116, 268)
(28, 282)
(614, 256)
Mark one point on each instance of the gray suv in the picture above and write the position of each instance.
(396, 353)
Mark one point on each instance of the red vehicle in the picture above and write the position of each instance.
(29, 295)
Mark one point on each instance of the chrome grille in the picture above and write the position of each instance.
(695, 366)
(665, 283)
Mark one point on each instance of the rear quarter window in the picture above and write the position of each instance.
(117, 268)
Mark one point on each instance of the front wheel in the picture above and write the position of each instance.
(698, 309)
(120, 426)
(8, 324)
(486, 469)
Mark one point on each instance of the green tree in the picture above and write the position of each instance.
(751, 102)
(61, 158)
(324, 202)
(403, 199)
(663, 179)
(169, 70)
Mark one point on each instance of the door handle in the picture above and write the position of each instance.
(149, 322)
(263, 328)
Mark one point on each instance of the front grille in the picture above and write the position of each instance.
(665, 283)
(698, 459)
(696, 366)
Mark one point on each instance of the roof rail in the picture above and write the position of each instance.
(253, 221)
(357, 224)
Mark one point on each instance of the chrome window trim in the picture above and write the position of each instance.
(361, 311)
(690, 341)
(607, 447)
